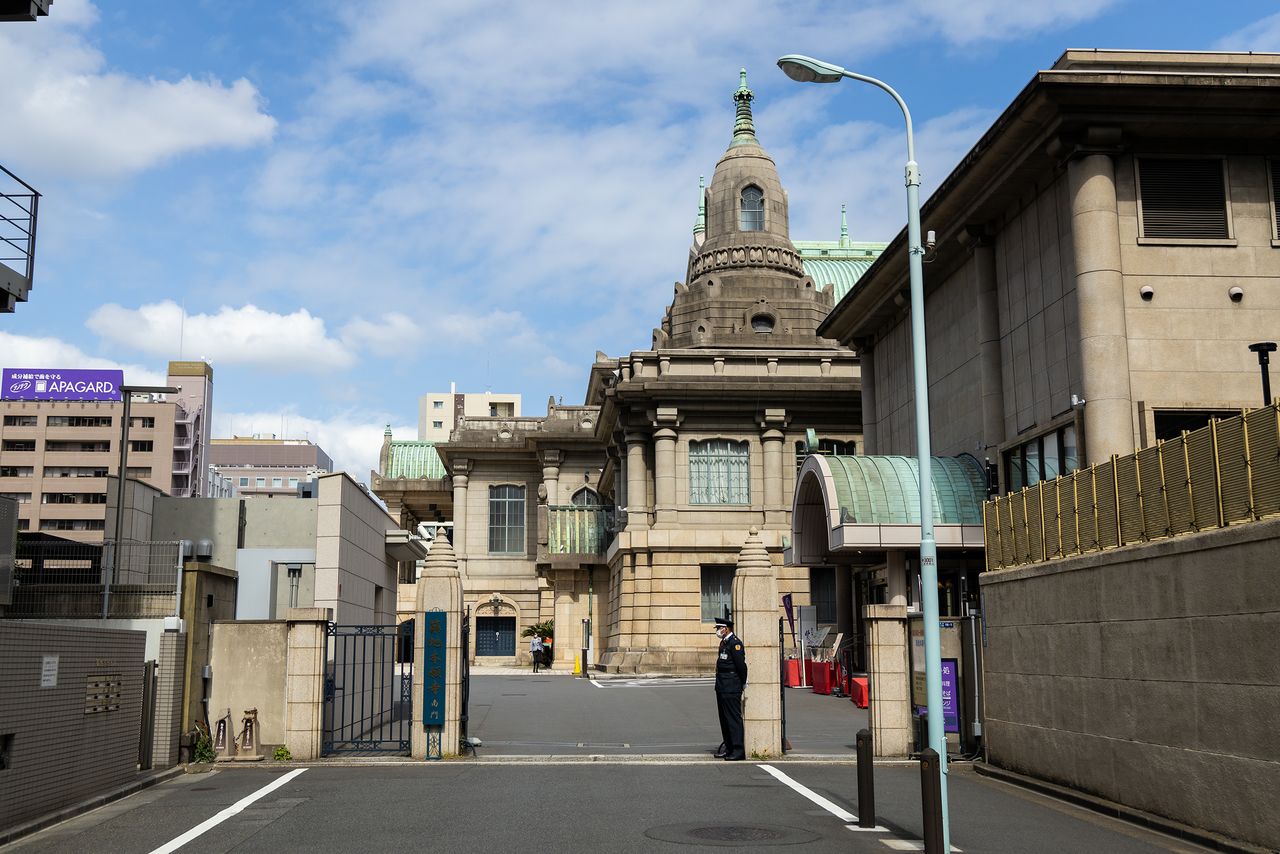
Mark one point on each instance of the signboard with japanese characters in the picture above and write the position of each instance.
(60, 384)
(434, 661)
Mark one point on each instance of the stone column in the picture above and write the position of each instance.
(460, 469)
(551, 476)
(775, 513)
(170, 669)
(988, 309)
(305, 665)
(439, 589)
(889, 680)
(637, 486)
(867, 375)
(755, 617)
(895, 573)
(643, 595)
(664, 477)
(1104, 349)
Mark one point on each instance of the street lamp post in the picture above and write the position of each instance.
(807, 70)
(126, 397)
(1264, 349)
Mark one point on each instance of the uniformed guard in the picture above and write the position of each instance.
(731, 679)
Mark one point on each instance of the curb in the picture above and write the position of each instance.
(565, 759)
(15, 833)
(1150, 821)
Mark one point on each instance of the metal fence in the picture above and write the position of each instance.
(578, 529)
(1220, 475)
(82, 580)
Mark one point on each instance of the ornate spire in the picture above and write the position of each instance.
(844, 227)
(701, 224)
(744, 129)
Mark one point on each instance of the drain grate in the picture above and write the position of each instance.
(730, 835)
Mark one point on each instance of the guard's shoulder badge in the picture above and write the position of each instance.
(737, 647)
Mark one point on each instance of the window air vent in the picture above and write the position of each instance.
(1183, 198)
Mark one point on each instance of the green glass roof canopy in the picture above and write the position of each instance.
(414, 460)
(885, 490)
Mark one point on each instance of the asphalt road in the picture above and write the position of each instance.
(539, 715)
(465, 806)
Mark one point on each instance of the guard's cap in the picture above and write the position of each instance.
(721, 621)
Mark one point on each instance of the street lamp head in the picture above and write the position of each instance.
(1263, 347)
(806, 69)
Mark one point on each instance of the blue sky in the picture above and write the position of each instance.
(352, 204)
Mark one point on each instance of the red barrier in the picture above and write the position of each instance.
(822, 673)
(791, 673)
(858, 691)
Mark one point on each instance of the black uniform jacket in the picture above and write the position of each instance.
(731, 666)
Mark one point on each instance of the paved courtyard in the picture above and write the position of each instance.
(538, 714)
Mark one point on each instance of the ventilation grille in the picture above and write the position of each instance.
(1275, 197)
(1183, 199)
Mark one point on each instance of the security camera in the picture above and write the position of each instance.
(1236, 294)
(1148, 293)
(930, 239)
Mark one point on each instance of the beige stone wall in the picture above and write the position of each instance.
(60, 755)
(248, 661)
(1147, 675)
(1188, 346)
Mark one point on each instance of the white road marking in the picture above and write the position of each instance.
(837, 811)
(908, 845)
(876, 829)
(597, 684)
(179, 841)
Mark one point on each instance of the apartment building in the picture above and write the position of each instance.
(440, 412)
(270, 467)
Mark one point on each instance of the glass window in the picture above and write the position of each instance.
(719, 472)
(1042, 458)
(717, 592)
(1033, 472)
(751, 217)
(293, 482)
(437, 404)
(437, 425)
(20, 421)
(260, 482)
(277, 482)
(822, 592)
(827, 448)
(244, 481)
(144, 446)
(506, 519)
(586, 497)
(1171, 422)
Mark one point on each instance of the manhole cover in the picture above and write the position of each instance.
(730, 835)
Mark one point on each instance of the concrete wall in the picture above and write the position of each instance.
(354, 575)
(1148, 675)
(58, 752)
(200, 582)
(257, 598)
(248, 661)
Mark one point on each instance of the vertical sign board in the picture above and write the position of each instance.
(950, 695)
(434, 625)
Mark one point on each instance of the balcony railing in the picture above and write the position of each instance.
(577, 530)
(1220, 475)
(19, 210)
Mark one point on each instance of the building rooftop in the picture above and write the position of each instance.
(411, 459)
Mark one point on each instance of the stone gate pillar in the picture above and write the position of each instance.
(755, 619)
(890, 682)
(439, 589)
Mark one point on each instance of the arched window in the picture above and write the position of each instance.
(506, 520)
(586, 497)
(719, 472)
(751, 217)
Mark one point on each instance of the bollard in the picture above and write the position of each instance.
(931, 800)
(866, 781)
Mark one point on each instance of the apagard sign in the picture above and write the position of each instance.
(60, 384)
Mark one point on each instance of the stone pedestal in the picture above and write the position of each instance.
(890, 681)
(439, 589)
(755, 618)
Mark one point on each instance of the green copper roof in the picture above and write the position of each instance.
(843, 273)
(744, 129)
(414, 459)
(886, 490)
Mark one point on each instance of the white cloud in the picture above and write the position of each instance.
(1261, 36)
(66, 113)
(352, 440)
(392, 335)
(23, 351)
(245, 335)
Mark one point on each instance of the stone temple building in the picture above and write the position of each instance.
(621, 519)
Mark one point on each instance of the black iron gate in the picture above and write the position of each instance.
(465, 705)
(368, 692)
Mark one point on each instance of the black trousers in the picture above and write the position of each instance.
(730, 708)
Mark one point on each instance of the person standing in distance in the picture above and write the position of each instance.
(535, 651)
(731, 679)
